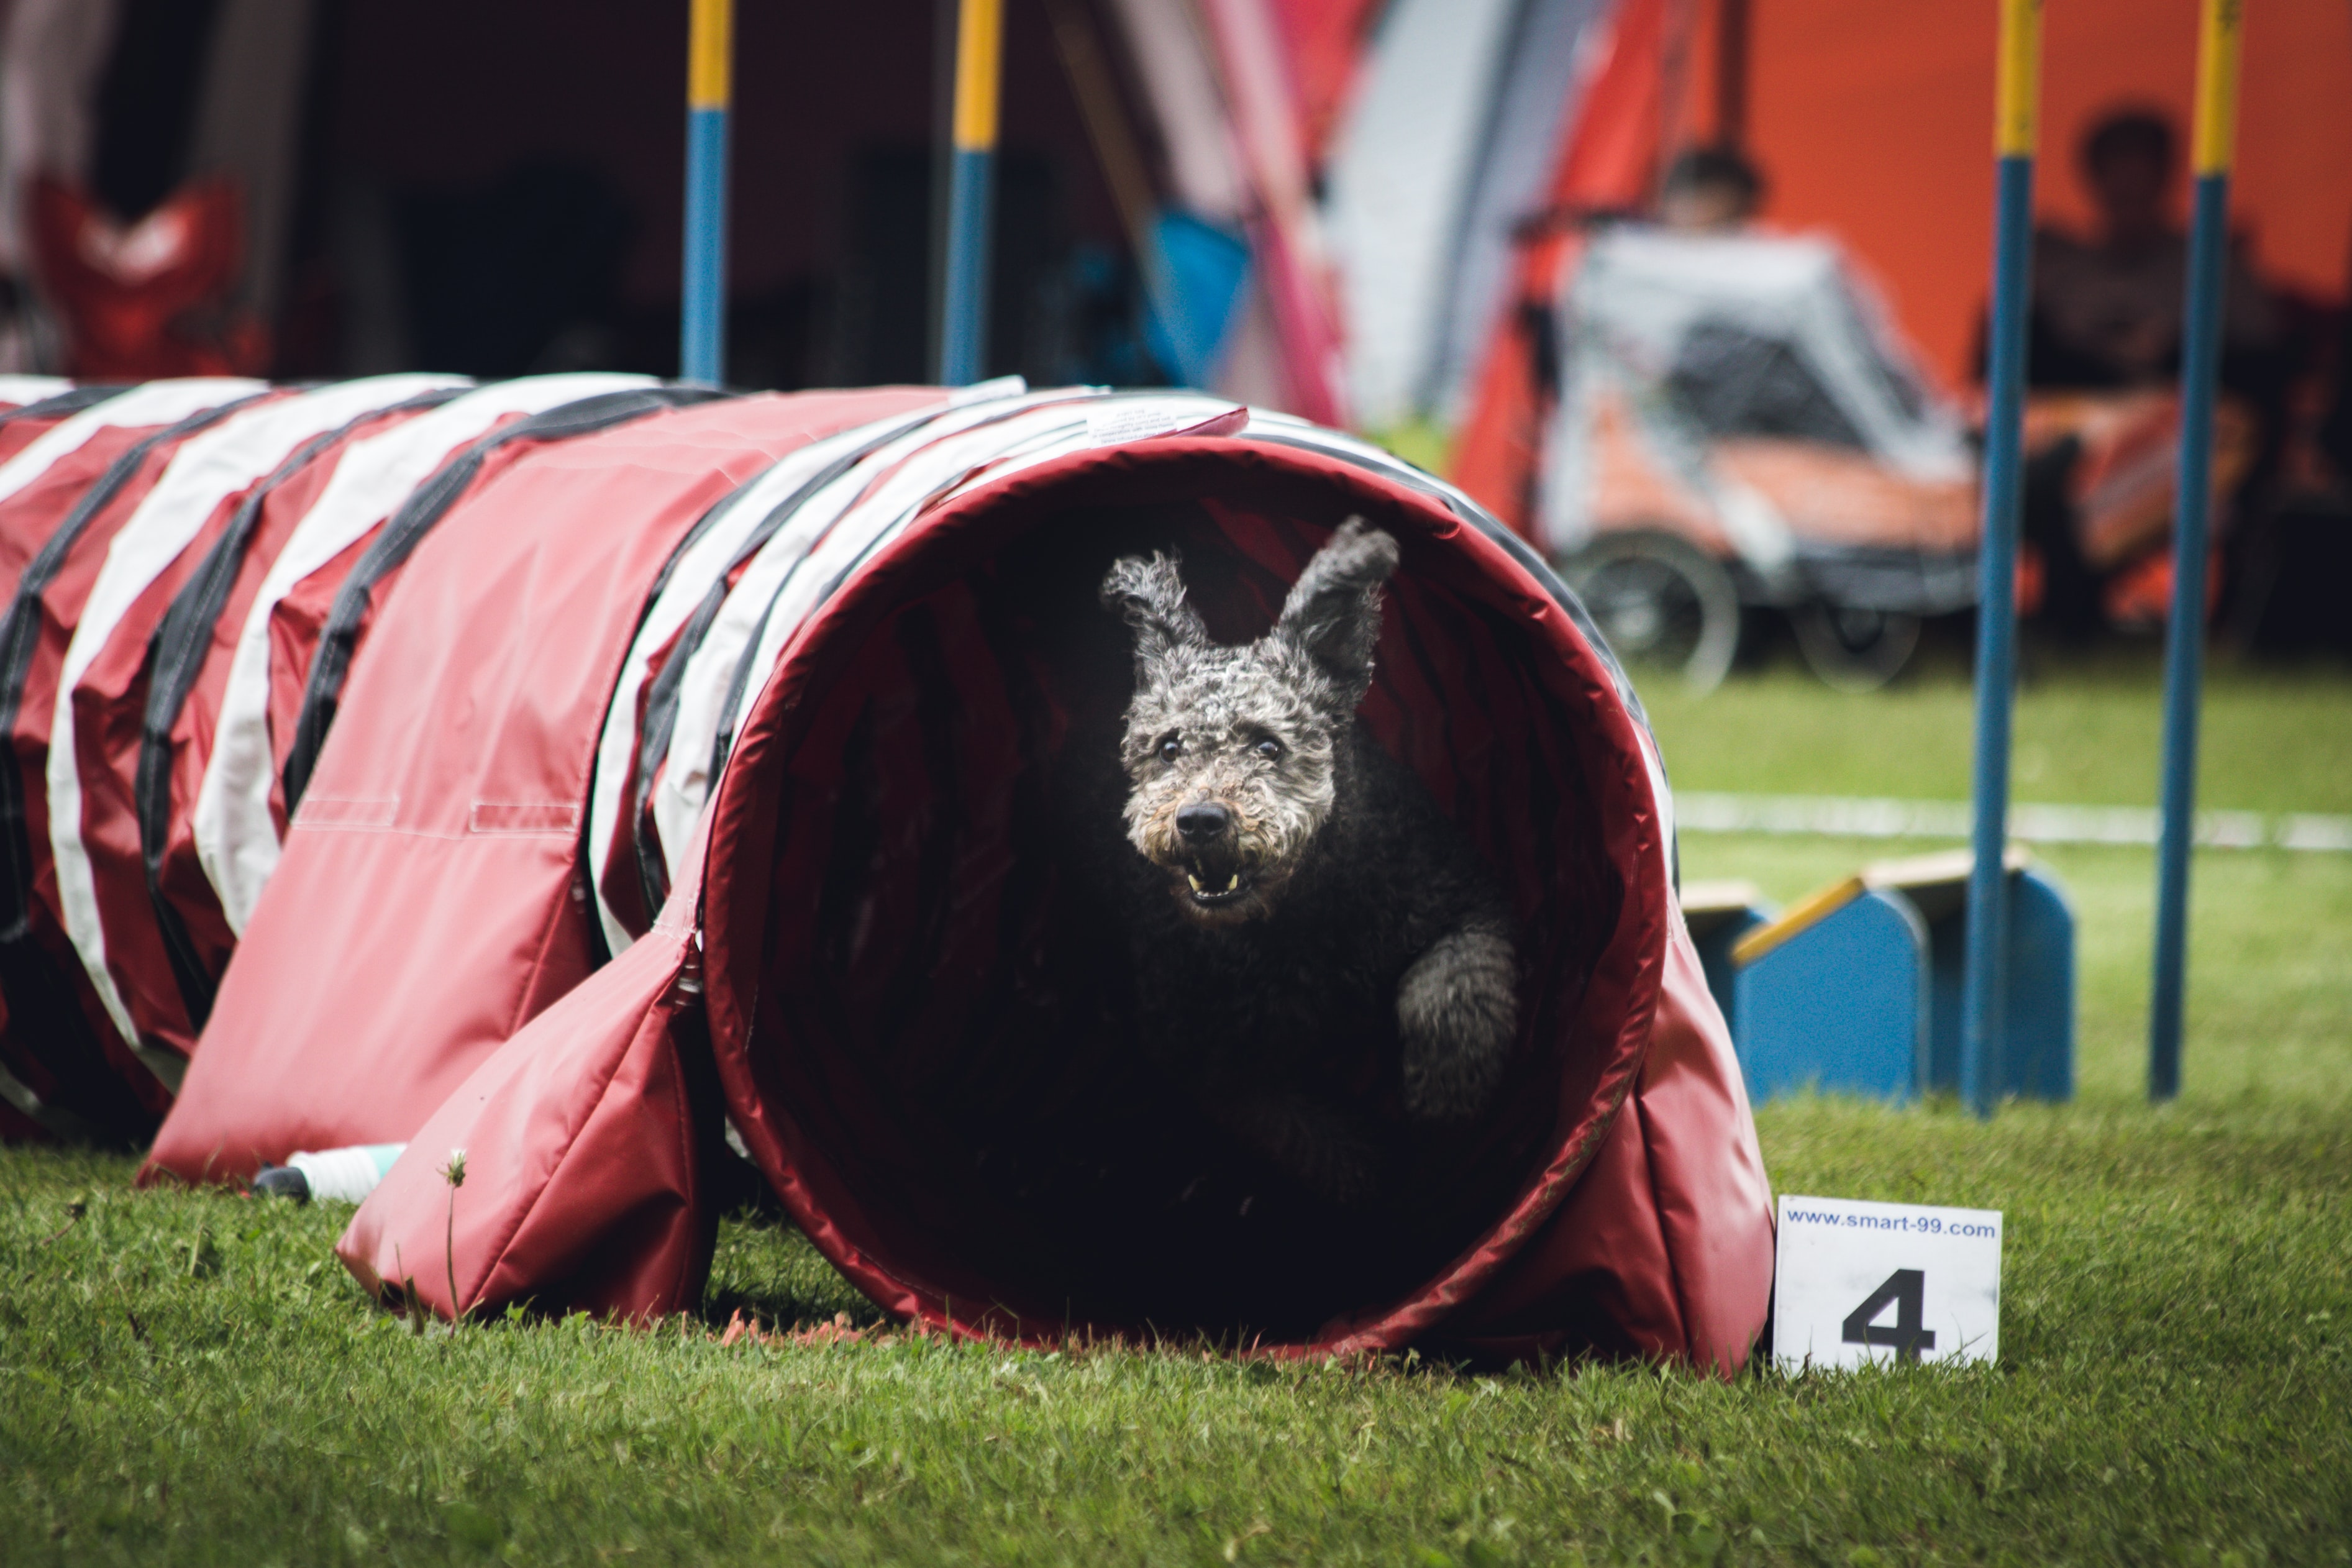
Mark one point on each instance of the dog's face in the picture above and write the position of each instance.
(1230, 750)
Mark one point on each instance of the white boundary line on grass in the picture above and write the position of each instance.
(1849, 817)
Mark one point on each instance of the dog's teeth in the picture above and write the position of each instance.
(1232, 881)
(1194, 880)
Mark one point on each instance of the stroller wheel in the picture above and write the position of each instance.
(1851, 648)
(1664, 603)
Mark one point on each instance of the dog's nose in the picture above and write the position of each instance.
(1202, 821)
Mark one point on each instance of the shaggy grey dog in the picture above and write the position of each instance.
(1296, 896)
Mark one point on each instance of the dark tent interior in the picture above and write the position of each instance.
(495, 186)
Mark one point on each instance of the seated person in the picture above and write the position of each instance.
(2107, 310)
(1710, 190)
(2107, 316)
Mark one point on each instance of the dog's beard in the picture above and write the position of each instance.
(1211, 893)
(1232, 880)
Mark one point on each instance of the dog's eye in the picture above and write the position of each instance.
(1270, 749)
(1169, 749)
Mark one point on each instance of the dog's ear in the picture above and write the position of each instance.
(1149, 592)
(1333, 613)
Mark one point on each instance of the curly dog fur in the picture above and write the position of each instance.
(1295, 894)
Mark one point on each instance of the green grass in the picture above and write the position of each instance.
(2270, 987)
(190, 1377)
(2088, 733)
(2270, 997)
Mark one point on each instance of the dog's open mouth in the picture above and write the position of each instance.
(1211, 889)
(1215, 878)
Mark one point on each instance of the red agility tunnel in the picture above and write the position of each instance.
(64, 496)
(168, 544)
(919, 1025)
(561, 769)
(882, 934)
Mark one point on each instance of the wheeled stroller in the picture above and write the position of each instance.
(1738, 427)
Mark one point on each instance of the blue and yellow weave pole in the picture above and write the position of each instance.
(2016, 102)
(2184, 648)
(709, 75)
(963, 319)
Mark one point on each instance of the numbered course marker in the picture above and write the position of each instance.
(1872, 1283)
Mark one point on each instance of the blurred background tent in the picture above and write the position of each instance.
(1869, 128)
(1360, 211)
(1870, 121)
(338, 188)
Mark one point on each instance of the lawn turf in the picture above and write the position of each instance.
(191, 1377)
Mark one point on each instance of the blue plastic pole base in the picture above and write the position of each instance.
(702, 319)
(2184, 643)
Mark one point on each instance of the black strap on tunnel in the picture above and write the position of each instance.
(417, 517)
(662, 696)
(176, 655)
(740, 683)
(655, 880)
(72, 400)
(43, 1013)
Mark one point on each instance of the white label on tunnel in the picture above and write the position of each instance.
(988, 391)
(1862, 1283)
(1146, 420)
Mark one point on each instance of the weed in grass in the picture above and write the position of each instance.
(454, 1173)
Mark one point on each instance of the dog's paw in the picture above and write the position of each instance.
(1457, 1014)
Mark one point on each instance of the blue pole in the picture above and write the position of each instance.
(2184, 649)
(702, 318)
(1985, 979)
(964, 344)
(964, 336)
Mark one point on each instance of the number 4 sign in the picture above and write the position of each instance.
(1863, 1282)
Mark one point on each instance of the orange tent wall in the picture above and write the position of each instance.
(1874, 121)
